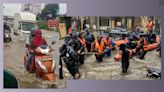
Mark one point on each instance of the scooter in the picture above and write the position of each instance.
(44, 62)
(7, 36)
(153, 72)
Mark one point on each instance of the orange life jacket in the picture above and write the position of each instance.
(119, 42)
(99, 47)
(150, 47)
(106, 41)
(109, 42)
(82, 40)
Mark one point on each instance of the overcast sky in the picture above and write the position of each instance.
(11, 9)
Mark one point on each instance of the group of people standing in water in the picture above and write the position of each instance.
(102, 45)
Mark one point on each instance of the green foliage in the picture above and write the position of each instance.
(49, 9)
(42, 25)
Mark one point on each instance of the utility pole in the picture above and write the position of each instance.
(97, 23)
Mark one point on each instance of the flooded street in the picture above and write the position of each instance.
(110, 69)
(91, 70)
(14, 61)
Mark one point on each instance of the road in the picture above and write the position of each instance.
(13, 61)
(91, 70)
(110, 69)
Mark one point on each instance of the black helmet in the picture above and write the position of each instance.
(74, 35)
(67, 38)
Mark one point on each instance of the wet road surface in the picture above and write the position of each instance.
(13, 61)
(91, 70)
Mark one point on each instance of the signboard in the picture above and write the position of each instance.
(118, 24)
(62, 29)
(113, 23)
(53, 23)
(129, 23)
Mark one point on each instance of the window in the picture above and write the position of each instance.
(28, 26)
(104, 21)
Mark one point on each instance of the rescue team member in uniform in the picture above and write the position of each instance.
(140, 47)
(82, 47)
(149, 26)
(89, 38)
(99, 48)
(125, 58)
(108, 45)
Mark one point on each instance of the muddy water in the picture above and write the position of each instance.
(91, 70)
(13, 61)
(110, 69)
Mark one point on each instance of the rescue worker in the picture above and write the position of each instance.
(89, 38)
(99, 48)
(149, 26)
(140, 47)
(108, 45)
(73, 42)
(125, 58)
(82, 47)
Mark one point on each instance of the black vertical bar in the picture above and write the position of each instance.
(60, 69)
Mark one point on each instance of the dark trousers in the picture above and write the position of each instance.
(141, 53)
(125, 66)
(99, 58)
(88, 47)
(81, 59)
(30, 58)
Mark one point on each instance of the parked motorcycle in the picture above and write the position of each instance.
(154, 72)
(70, 57)
(7, 36)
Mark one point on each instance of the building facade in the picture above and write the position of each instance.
(33, 8)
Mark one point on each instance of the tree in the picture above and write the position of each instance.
(50, 11)
(144, 20)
